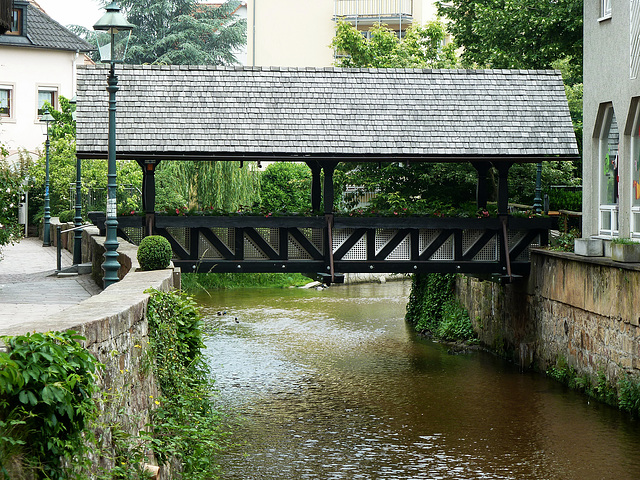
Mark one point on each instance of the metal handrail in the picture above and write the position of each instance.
(59, 233)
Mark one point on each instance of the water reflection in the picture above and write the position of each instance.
(334, 385)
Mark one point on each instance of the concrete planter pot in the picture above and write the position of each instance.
(588, 247)
(627, 253)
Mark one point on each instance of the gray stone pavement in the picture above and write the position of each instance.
(29, 288)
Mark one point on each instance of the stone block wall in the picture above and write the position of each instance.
(585, 309)
(115, 326)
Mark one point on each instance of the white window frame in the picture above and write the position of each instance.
(635, 154)
(607, 213)
(46, 88)
(605, 10)
(12, 95)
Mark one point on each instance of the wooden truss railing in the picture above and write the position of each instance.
(363, 244)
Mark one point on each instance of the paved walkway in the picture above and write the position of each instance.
(29, 288)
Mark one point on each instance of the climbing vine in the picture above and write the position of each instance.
(434, 310)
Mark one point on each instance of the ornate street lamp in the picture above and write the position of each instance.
(537, 201)
(46, 235)
(113, 48)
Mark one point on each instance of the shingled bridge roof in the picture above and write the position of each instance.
(273, 113)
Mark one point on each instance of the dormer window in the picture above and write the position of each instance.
(17, 22)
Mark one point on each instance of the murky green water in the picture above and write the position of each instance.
(333, 385)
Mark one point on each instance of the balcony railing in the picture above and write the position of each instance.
(373, 8)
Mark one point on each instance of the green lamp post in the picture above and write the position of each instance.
(537, 201)
(113, 48)
(46, 234)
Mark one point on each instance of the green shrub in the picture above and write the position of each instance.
(46, 386)
(433, 308)
(154, 253)
(455, 323)
(186, 423)
(66, 216)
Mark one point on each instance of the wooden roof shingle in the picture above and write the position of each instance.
(297, 113)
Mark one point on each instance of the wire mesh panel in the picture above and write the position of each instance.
(296, 252)
(357, 252)
(515, 237)
(427, 236)
(134, 234)
(401, 252)
(182, 235)
(226, 236)
(488, 253)
(252, 251)
(271, 236)
(206, 249)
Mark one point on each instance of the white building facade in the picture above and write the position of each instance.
(38, 61)
(297, 33)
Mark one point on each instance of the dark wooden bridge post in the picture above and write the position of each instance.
(328, 194)
(315, 185)
(482, 190)
(149, 193)
(503, 186)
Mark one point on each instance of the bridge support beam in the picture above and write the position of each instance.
(329, 168)
(482, 189)
(503, 186)
(316, 193)
(149, 193)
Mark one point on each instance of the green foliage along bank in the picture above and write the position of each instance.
(433, 309)
(193, 283)
(187, 424)
(624, 394)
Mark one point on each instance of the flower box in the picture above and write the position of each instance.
(625, 252)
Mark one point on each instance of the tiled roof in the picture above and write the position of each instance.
(44, 32)
(323, 112)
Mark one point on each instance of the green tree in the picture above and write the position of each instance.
(10, 187)
(526, 34)
(206, 185)
(420, 47)
(515, 33)
(183, 32)
(62, 168)
(286, 187)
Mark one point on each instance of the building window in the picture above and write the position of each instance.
(605, 8)
(608, 155)
(6, 98)
(635, 176)
(16, 22)
(46, 95)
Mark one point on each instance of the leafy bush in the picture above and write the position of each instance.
(154, 253)
(429, 293)
(198, 282)
(186, 423)
(433, 308)
(629, 396)
(9, 199)
(46, 387)
(66, 216)
(455, 323)
(286, 187)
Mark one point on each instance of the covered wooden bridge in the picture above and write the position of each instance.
(323, 116)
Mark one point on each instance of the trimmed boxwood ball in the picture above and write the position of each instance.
(154, 253)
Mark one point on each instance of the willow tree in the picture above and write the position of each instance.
(221, 186)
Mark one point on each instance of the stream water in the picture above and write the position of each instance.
(333, 384)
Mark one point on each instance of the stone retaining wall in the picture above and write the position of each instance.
(585, 309)
(116, 330)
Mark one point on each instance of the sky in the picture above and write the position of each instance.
(76, 12)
